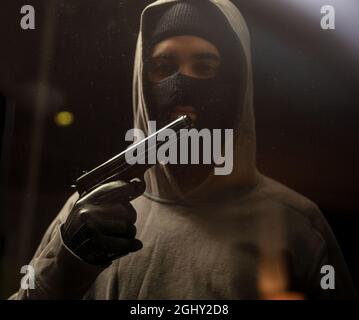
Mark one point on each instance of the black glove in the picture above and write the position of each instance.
(100, 227)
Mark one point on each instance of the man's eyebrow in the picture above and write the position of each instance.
(164, 56)
(206, 56)
(197, 56)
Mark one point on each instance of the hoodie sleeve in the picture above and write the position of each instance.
(318, 267)
(330, 272)
(59, 274)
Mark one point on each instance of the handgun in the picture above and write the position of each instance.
(117, 168)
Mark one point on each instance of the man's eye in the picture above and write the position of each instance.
(206, 70)
(164, 70)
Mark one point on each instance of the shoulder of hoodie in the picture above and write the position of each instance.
(292, 204)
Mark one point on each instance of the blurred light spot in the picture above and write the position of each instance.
(64, 118)
(273, 280)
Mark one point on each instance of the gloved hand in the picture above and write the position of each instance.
(100, 227)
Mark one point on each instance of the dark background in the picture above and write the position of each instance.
(79, 59)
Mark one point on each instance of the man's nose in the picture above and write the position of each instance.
(187, 70)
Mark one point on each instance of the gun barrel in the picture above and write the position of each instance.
(118, 168)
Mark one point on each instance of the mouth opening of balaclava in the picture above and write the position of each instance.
(215, 100)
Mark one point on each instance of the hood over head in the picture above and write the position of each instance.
(161, 185)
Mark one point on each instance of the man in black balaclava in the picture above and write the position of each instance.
(236, 236)
(191, 67)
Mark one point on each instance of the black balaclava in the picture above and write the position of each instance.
(214, 99)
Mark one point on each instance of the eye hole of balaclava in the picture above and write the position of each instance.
(215, 99)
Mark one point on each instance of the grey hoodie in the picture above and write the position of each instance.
(240, 236)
